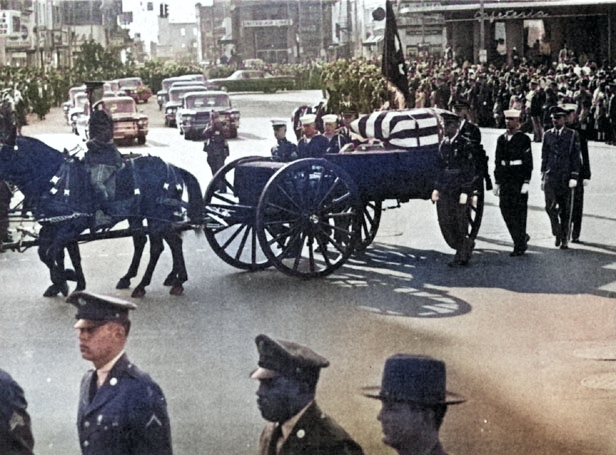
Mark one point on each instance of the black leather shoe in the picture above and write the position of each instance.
(564, 246)
(575, 240)
(557, 241)
(515, 253)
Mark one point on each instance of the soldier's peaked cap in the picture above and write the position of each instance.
(557, 111)
(286, 358)
(98, 307)
(277, 123)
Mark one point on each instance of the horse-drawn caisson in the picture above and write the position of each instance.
(304, 217)
(308, 216)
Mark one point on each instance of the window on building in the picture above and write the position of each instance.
(183, 31)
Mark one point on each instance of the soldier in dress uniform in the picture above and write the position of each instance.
(512, 173)
(560, 170)
(284, 150)
(584, 177)
(312, 144)
(15, 429)
(288, 373)
(122, 411)
(102, 160)
(216, 145)
(414, 403)
(456, 183)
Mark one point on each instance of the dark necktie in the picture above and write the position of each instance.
(93, 386)
(276, 434)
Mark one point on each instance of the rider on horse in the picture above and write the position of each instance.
(102, 160)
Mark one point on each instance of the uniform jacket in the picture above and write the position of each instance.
(215, 142)
(315, 148)
(314, 434)
(585, 169)
(127, 416)
(284, 151)
(560, 156)
(15, 431)
(513, 159)
(340, 139)
(457, 165)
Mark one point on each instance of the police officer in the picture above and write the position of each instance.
(216, 146)
(456, 182)
(584, 177)
(312, 144)
(288, 373)
(15, 429)
(102, 160)
(122, 411)
(512, 173)
(560, 170)
(284, 150)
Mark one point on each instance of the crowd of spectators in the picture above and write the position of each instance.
(491, 90)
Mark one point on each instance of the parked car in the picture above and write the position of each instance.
(162, 96)
(253, 81)
(175, 101)
(73, 91)
(81, 106)
(135, 88)
(128, 123)
(196, 111)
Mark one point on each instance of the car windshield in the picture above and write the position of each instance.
(81, 100)
(177, 94)
(133, 82)
(205, 101)
(121, 107)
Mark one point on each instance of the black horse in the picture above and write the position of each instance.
(60, 192)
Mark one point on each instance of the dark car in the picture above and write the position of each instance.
(253, 81)
(196, 112)
(175, 101)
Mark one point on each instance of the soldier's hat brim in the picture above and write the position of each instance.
(98, 307)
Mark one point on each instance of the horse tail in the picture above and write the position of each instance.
(196, 206)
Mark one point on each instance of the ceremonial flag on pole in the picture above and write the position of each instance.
(393, 65)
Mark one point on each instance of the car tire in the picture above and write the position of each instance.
(233, 133)
(141, 140)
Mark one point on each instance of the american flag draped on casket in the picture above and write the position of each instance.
(402, 129)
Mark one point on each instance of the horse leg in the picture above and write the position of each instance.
(73, 252)
(139, 241)
(174, 240)
(156, 248)
(53, 258)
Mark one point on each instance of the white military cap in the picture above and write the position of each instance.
(308, 119)
(512, 113)
(278, 122)
(330, 118)
(569, 107)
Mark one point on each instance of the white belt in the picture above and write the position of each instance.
(512, 163)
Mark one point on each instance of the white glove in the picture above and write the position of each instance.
(572, 183)
(463, 198)
(496, 189)
(435, 196)
(586, 182)
(524, 189)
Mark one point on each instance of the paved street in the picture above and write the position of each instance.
(530, 341)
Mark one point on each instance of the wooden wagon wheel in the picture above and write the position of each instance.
(369, 224)
(229, 225)
(447, 219)
(308, 218)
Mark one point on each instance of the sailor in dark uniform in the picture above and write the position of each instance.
(284, 150)
(312, 144)
(512, 173)
(560, 169)
(457, 181)
(288, 373)
(584, 177)
(122, 411)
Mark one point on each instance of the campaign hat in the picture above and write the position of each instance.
(287, 358)
(308, 119)
(99, 307)
(414, 379)
(512, 113)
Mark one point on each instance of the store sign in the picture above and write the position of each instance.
(509, 14)
(268, 23)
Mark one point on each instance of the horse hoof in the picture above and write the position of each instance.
(138, 293)
(80, 287)
(177, 290)
(124, 283)
(169, 280)
(64, 289)
(51, 291)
